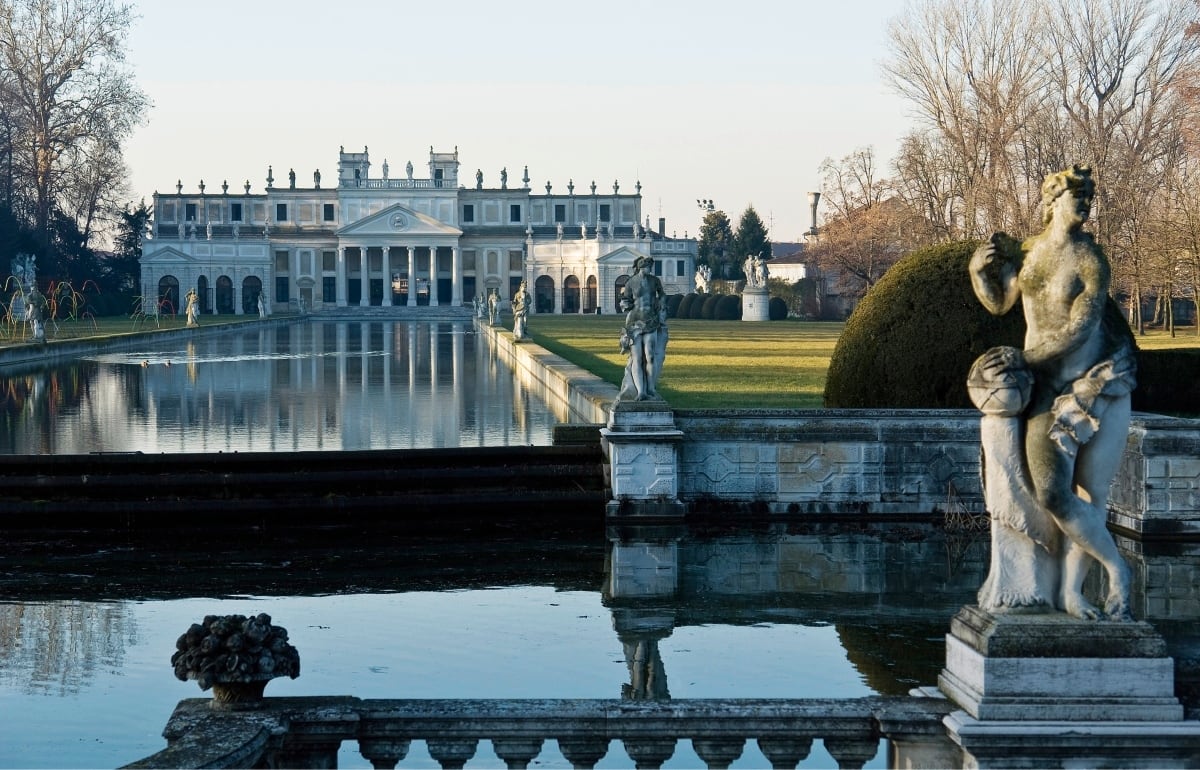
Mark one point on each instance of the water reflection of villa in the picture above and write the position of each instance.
(389, 240)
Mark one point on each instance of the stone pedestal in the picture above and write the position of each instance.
(756, 304)
(641, 440)
(1048, 690)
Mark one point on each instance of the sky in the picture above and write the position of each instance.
(734, 102)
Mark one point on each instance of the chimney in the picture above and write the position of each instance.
(662, 226)
(813, 199)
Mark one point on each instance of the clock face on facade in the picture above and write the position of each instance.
(398, 221)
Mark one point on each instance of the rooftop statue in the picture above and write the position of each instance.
(1056, 414)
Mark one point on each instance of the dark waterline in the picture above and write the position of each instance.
(319, 385)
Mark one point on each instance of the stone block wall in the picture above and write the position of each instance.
(1156, 492)
(849, 461)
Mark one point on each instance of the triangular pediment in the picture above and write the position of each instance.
(622, 256)
(398, 220)
(169, 255)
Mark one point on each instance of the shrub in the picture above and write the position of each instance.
(709, 310)
(1162, 385)
(684, 309)
(777, 309)
(913, 338)
(673, 302)
(729, 308)
(696, 310)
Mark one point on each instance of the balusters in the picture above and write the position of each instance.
(784, 753)
(718, 753)
(851, 753)
(383, 753)
(517, 753)
(649, 752)
(452, 754)
(583, 753)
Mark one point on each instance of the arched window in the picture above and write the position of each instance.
(168, 294)
(589, 298)
(619, 286)
(251, 288)
(224, 294)
(202, 293)
(571, 294)
(543, 294)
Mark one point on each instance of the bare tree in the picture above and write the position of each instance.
(67, 90)
(867, 226)
(972, 74)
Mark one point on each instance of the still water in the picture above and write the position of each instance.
(304, 386)
(88, 625)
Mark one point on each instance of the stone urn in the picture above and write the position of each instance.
(235, 656)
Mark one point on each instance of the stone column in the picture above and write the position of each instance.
(412, 276)
(433, 276)
(387, 276)
(341, 276)
(364, 276)
(456, 297)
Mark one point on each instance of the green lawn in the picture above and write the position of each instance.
(109, 326)
(709, 364)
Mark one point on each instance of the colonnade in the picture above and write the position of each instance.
(408, 261)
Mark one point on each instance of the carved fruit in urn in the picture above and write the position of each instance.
(235, 656)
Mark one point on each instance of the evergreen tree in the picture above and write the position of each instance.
(751, 239)
(716, 240)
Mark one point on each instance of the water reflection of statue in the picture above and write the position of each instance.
(262, 306)
(1070, 386)
(644, 336)
(520, 308)
(647, 675)
(193, 308)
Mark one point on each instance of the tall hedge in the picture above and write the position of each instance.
(914, 336)
(709, 311)
(685, 306)
(673, 301)
(911, 341)
(777, 309)
(729, 308)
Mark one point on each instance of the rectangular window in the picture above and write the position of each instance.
(282, 261)
(468, 212)
(329, 289)
(514, 260)
(281, 212)
(189, 212)
(328, 212)
(235, 212)
(514, 212)
(281, 289)
(679, 267)
(329, 261)
(560, 212)
(605, 212)
(658, 268)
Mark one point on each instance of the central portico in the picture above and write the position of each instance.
(401, 257)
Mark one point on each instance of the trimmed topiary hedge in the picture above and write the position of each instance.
(673, 301)
(914, 336)
(685, 306)
(777, 309)
(729, 308)
(1167, 382)
(709, 311)
(696, 311)
(911, 341)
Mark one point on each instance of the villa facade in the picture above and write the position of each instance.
(389, 240)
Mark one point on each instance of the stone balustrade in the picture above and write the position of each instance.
(309, 732)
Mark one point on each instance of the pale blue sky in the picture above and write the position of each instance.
(734, 101)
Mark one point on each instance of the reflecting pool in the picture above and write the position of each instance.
(88, 625)
(332, 384)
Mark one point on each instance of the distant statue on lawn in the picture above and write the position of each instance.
(703, 276)
(193, 308)
(37, 312)
(520, 308)
(494, 307)
(644, 336)
(1056, 414)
